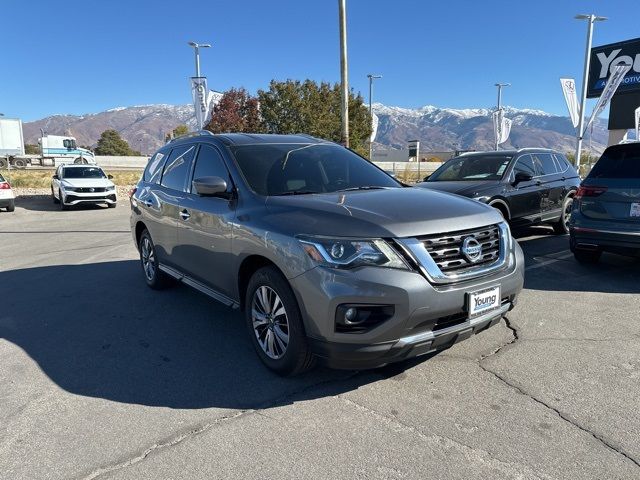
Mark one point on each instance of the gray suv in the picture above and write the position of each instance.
(328, 256)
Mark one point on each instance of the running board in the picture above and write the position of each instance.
(181, 277)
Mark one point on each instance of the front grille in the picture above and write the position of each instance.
(90, 189)
(446, 250)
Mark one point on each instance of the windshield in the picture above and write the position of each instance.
(621, 161)
(476, 167)
(83, 172)
(289, 169)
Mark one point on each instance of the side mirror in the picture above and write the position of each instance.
(210, 186)
(109, 176)
(522, 177)
(56, 177)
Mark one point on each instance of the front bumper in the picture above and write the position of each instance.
(419, 310)
(75, 198)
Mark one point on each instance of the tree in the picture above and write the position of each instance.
(176, 132)
(111, 143)
(31, 149)
(237, 111)
(308, 107)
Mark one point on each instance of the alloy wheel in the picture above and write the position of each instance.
(566, 214)
(148, 258)
(270, 322)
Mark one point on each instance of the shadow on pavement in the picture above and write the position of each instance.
(40, 203)
(97, 330)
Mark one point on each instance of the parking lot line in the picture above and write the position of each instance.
(550, 261)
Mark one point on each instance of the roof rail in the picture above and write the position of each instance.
(192, 134)
(526, 149)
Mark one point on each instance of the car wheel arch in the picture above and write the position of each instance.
(247, 268)
(140, 227)
(502, 206)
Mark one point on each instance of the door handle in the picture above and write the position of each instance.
(184, 214)
(538, 183)
(148, 203)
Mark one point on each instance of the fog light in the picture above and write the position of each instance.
(350, 315)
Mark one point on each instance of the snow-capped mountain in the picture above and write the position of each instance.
(445, 129)
(438, 129)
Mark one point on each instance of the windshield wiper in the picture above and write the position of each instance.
(296, 192)
(366, 187)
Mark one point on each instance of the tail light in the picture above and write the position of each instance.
(5, 186)
(590, 191)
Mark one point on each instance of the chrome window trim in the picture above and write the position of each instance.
(417, 251)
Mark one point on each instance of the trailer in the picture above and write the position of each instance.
(54, 149)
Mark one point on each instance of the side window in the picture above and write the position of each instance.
(546, 164)
(525, 165)
(177, 168)
(153, 171)
(562, 162)
(210, 164)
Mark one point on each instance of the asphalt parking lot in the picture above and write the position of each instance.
(101, 377)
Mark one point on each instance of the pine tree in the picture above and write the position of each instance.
(111, 143)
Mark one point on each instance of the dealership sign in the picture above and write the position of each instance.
(604, 60)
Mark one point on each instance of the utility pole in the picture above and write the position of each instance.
(344, 77)
(500, 86)
(371, 78)
(583, 98)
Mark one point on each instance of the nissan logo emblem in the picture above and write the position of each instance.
(471, 249)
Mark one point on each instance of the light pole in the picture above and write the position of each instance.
(344, 76)
(583, 98)
(196, 49)
(500, 86)
(371, 78)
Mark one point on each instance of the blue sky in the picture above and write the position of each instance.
(83, 56)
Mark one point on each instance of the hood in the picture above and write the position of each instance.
(88, 182)
(395, 212)
(465, 188)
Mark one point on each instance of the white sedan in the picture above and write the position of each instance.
(75, 184)
(7, 198)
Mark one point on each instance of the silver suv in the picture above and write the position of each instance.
(328, 256)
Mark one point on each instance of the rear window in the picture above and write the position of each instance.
(620, 161)
(153, 171)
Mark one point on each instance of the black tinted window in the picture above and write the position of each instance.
(83, 172)
(546, 164)
(177, 168)
(472, 167)
(525, 165)
(153, 172)
(210, 164)
(277, 169)
(620, 161)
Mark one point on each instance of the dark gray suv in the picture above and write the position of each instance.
(328, 256)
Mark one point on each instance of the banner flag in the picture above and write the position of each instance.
(374, 127)
(501, 126)
(638, 123)
(569, 91)
(609, 90)
(200, 99)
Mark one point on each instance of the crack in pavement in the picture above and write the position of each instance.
(523, 392)
(197, 430)
(472, 454)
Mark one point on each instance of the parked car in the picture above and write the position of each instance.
(80, 184)
(7, 198)
(528, 186)
(327, 255)
(606, 209)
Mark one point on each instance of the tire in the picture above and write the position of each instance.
(279, 340)
(53, 197)
(587, 256)
(500, 209)
(111, 205)
(3, 163)
(20, 163)
(12, 206)
(61, 202)
(80, 161)
(155, 278)
(561, 227)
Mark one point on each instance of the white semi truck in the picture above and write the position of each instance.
(54, 149)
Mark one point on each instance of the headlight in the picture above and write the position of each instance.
(111, 188)
(348, 253)
(67, 188)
